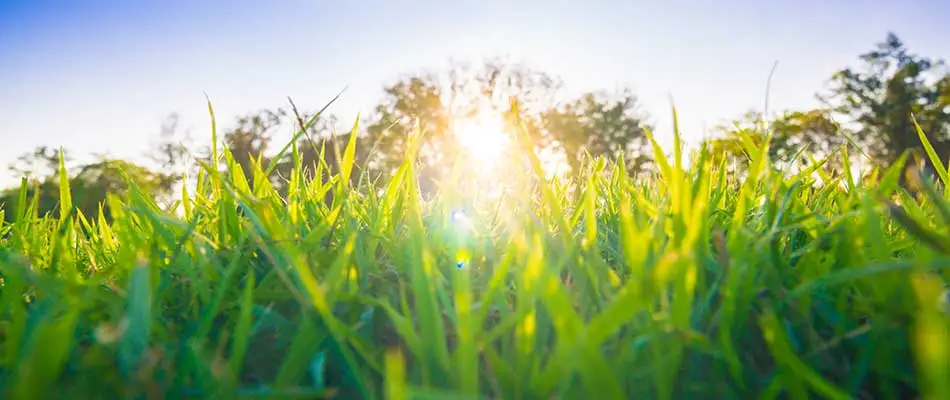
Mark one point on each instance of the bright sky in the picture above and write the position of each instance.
(99, 76)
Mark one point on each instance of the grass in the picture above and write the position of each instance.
(695, 283)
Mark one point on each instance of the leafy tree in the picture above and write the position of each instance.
(730, 148)
(92, 182)
(430, 102)
(96, 180)
(812, 131)
(881, 97)
(250, 140)
(170, 152)
(412, 103)
(600, 125)
(89, 187)
(42, 161)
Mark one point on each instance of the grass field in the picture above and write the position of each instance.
(693, 284)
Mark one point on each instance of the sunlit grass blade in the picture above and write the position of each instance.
(846, 166)
(395, 375)
(932, 337)
(65, 196)
(935, 160)
(242, 332)
(138, 318)
(303, 131)
(45, 355)
(349, 155)
(926, 235)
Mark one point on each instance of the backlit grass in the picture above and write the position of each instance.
(693, 283)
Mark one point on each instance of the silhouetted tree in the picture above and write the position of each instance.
(251, 138)
(170, 151)
(892, 85)
(89, 186)
(814, 130)
(600, 125)
(430, 103)
(412, 105)
(42, 161)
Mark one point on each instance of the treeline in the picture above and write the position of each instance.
(871, 109)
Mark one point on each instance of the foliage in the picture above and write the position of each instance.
(170, 152)
(791, 133)
(893, 86)
(90, 187)
(599, 125)
(249, 142)
(321, 150)
(693, 284)
(42, 161)
(296, 273)
(602, 125)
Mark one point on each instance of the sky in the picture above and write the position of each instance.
(100, 76)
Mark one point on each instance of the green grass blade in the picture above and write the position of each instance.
(242, 332)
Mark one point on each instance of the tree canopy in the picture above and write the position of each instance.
(813, 132)
(602, 124)
(892, 88)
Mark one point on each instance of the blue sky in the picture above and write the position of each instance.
(99, 76)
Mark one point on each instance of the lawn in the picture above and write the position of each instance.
(691, 283)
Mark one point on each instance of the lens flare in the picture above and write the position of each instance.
(459, 216)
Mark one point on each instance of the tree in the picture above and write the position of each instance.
(430, 102)
(92, 182)
(893, 86)
(42, 161)
(89, 187)
(813, 131)
(251, 138)
(414, 103)
(96, 180)
(600, 125)
(170, 152)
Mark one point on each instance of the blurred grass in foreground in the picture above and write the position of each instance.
(692, 284)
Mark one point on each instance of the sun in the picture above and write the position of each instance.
(483, 136)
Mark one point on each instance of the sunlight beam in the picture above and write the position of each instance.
(483, 136)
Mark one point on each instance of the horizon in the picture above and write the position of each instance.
(101, 77)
